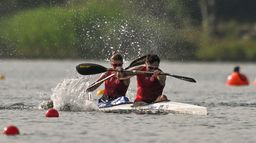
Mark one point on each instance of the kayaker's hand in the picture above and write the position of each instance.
(155, 75)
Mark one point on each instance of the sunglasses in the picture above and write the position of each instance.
(117, 65)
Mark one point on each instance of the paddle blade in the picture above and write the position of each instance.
(137, 62)
(189, 79)
(90, 68)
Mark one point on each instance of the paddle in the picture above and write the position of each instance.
(88, 68)
(141, 61)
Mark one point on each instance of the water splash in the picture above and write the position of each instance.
(126, 36)
(70, 95)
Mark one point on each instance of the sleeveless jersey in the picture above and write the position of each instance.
(114, 87)
(147, 89)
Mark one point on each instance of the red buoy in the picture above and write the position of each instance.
(237, 79)
(11, 130)
(52, 113)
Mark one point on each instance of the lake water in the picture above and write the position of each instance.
(231, 110)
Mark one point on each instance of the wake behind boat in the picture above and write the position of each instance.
(161, 107)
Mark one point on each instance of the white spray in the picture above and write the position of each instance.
(70, 93)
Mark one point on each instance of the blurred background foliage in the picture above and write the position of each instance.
(205, 30)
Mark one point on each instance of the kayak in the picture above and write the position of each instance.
(161, 107)
(155, 108)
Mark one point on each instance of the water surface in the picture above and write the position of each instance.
(231, 110)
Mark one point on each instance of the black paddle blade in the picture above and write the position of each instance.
(137, 62)
(189, 79)
(90, 68)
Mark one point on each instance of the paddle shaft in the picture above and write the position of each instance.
(89, 68)
(189, 79)
(135, 72)
(97, 83)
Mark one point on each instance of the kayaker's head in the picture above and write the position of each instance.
(237, 69)
(152, 62)
(116, 60)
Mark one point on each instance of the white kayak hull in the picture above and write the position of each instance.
(161, 107)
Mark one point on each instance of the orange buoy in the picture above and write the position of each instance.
(11, 130)
(52, 113)
(237, 79)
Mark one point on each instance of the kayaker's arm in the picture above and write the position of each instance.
(136, 68)
(133, 71)
(128, 73)
(161, 79)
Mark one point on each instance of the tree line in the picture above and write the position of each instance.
(92, 29)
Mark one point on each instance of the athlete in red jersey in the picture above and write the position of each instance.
(150, 86)
(115, 87)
